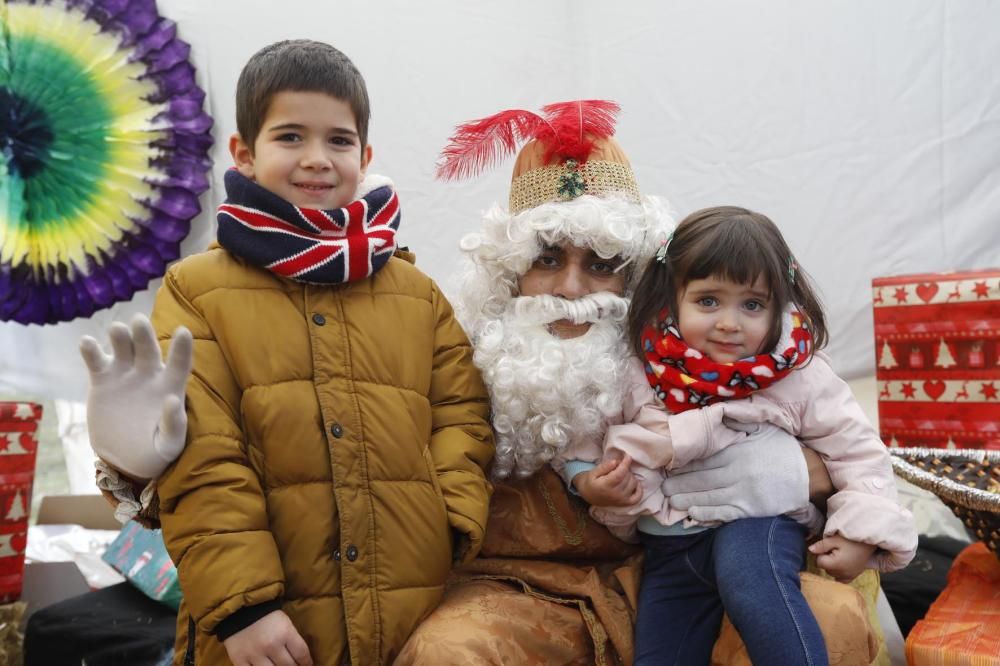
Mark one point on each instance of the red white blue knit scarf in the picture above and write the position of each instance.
(305, 244)
(685, 378)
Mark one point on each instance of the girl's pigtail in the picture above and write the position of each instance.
(653, 292)
(804, 296)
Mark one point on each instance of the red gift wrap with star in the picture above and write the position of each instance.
(937, 352)
(18, 447)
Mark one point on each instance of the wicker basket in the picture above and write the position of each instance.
(967, 480)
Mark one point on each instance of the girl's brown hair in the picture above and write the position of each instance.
(735, 244)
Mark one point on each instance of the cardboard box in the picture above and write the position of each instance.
(46, 583)
(937, 351)
(90, 511)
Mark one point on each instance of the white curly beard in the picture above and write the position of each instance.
(547, 392)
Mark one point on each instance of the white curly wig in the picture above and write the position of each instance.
(547, 392)
(504, 249)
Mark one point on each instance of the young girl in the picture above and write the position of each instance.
(725, 325)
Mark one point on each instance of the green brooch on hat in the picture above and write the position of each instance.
(571, 183)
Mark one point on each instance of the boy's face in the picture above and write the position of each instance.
(307, 152)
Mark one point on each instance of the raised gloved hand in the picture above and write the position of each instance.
(764, 475)
(135, 408)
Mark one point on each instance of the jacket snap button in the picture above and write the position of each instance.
(336, 555)
(319, 319)
(336, 430)
(352, 552)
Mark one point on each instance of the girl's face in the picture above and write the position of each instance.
(725, 320)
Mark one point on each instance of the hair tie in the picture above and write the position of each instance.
(661, 252)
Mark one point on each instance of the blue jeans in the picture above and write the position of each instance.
(749, 568)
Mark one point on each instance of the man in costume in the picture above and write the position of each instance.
(543, 298)
(543, 294)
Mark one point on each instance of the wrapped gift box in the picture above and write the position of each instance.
(937, 351)
(138, 554)
(18, 446)
(962, 626)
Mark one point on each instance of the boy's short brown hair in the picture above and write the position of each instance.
(297, 65)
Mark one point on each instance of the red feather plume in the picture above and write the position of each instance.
(479, 144)
(577, 124)
(566, 128)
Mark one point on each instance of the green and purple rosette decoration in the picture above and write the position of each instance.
(103, 153)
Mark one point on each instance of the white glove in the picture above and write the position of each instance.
(135, 408)
(764, 475)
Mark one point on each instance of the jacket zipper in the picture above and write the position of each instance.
(189, 655)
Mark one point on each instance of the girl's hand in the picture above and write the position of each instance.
(609, 484)
(842, 558)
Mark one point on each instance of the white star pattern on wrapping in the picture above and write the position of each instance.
(24, 411)
(13, 447)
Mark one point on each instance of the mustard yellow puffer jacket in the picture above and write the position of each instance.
(337, 437)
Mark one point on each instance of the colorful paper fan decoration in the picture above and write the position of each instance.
(104, 153)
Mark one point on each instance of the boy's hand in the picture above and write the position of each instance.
(135, 407)
(609, 484)
(272, 639)
(842, 558)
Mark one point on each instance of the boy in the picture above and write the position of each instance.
(337, 428)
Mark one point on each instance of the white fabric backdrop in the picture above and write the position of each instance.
(870, 132)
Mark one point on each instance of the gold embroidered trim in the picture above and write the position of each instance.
(600, 178)
(576, 537)
(597, 634)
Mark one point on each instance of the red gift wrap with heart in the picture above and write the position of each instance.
(937, 353)
(18, 449)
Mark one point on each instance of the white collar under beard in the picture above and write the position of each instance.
(547, 392)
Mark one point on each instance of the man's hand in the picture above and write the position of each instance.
(820, 484)
(272, 639)
(609, 484)
(764, 475)
(842, 558)
(748, 416)
(135, 408)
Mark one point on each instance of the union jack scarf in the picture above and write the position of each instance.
(305, 244)
(685, 378)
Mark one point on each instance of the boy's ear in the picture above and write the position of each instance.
(242, 155)
(366, 158)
